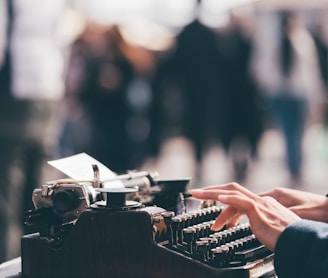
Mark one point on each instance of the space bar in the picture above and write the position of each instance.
(251, 254)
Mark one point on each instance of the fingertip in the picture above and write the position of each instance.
(196, 192)
(215, 229)
(217, 226)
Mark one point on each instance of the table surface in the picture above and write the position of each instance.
(11, 268)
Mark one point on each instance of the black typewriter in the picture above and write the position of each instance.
(152, 230)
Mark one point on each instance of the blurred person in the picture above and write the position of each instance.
(240, 124)
(186, 83)
(291, 223)
(198, 87)
(98, 77)
(319, 32)
(140, 101)
(168, 104)
(31, 89)
(197, 65)
(289, 78)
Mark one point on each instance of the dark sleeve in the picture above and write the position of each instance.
(302, 250)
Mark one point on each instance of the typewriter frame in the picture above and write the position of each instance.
(121, 244)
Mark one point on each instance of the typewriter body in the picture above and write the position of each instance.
(154, 229)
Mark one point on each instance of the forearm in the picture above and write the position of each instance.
(316, 212)
(302, 250)
(305, 204)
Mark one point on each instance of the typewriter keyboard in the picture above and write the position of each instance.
(190, 234)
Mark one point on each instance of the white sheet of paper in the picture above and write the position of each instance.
(79, 167)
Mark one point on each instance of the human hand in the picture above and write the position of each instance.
(305, 204)
(267, 217)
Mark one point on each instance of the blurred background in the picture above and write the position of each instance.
(218, 91)
(198, 86)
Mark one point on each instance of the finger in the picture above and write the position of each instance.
(234, 221)
(223, 218)
(232, 186)
(205, 194)
(213, 194)
(228, 217)
(238, 205)
(239, 202)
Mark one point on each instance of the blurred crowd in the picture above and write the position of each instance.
(120, 102)
(223, 85)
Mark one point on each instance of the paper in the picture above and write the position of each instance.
(79, 167)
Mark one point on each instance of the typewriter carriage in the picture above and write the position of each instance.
(59, 204)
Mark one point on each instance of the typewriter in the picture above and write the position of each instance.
(148, 228)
